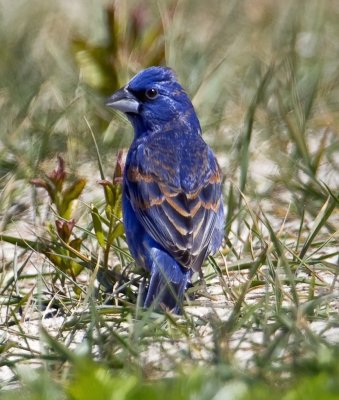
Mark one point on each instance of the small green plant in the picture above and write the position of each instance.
(62, 197)
(59, 244)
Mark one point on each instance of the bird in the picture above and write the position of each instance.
(173, 212)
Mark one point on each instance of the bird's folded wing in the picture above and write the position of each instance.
(182, 222)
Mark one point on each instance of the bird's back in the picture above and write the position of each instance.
(175, 188)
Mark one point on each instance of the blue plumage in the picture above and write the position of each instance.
(172, 202)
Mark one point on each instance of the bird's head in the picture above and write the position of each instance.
(154, 98)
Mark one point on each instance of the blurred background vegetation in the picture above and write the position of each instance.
(264, 78)
(59, 59)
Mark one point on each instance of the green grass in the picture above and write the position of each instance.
(264, 322)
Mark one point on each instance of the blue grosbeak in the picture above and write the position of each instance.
(172, 203)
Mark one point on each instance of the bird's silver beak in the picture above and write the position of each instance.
(124, 101)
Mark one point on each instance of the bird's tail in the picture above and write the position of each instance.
(167, 284)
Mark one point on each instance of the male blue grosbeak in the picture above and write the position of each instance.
(172, 203)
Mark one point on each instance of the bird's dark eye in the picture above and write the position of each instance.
(151, 93)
